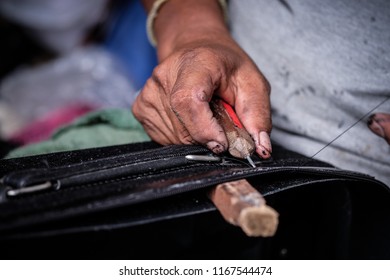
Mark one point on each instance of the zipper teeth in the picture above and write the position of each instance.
(168, 152)
(164, 153)
(101, 184)
(242, 174)
(126, 160)
(225, 177)
(152, 157)
(160, 172)
(220, 178)
(191, 185)
(135, 158)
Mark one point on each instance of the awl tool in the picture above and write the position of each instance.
(241, 144)
(239, 203)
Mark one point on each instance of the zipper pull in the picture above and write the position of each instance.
(29, 189)
(7, 191)
(203, 158)
(224, 160)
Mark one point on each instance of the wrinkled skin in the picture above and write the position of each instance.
(199, 59)
(173, 106)
(379, 123)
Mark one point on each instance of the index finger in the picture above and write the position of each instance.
(190, 99)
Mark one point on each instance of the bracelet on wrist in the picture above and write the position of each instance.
(154, 11)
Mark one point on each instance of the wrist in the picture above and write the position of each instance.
(182, 22)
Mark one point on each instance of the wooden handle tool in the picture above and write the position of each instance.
(238, 202)
(242, 205)
(241, 144)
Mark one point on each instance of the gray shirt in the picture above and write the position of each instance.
(328, 63)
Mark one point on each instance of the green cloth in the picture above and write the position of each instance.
(97, 129)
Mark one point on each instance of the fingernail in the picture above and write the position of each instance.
(375, 126)
(265, 141)
(216, 147)
(265, 148)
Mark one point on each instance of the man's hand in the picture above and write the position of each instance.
(174, 107)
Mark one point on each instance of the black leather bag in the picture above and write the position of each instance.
(146, 201)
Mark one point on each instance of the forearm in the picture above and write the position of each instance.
(180, 22)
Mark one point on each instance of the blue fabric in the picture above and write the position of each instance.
(127, 40)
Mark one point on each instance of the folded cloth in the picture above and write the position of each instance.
(96, 129)
(42, 128)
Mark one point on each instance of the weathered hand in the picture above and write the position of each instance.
(174, 107)
(199, 59)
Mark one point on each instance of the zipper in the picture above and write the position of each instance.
(39, 195)
(232, 174)
(26, 177)
(135, 164)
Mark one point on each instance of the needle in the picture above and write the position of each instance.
(241, 144)
(248, 158)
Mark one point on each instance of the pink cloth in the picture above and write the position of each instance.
(42, 128)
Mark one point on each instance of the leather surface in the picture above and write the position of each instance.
(148, 182)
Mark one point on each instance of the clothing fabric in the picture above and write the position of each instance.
(99, 75)
(89, 75)
(59, 25)
(96, 129)
(328, 63)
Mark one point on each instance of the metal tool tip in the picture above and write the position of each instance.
(248, 158)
